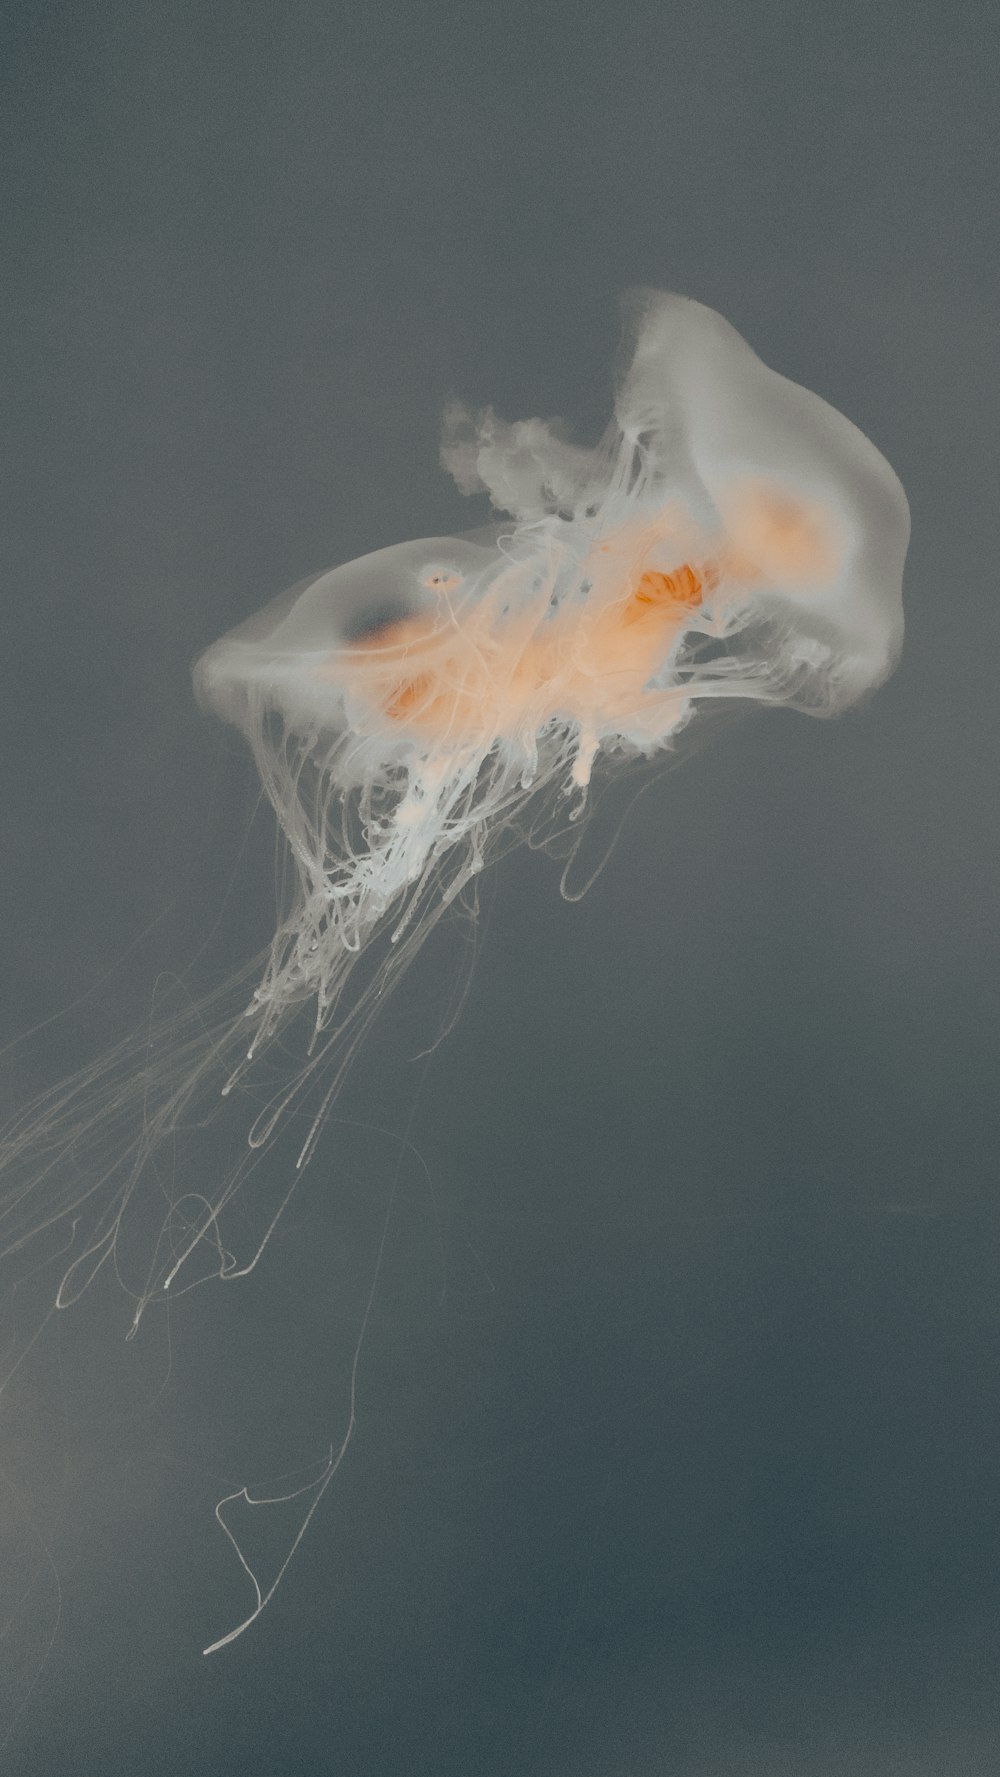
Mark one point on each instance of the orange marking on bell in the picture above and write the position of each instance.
(788, 537)
(682, 586)
(407, 697)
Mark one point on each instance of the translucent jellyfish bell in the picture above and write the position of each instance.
(813, 519)
(273, 658)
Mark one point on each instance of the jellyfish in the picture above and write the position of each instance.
(414, 712)
(732, 537)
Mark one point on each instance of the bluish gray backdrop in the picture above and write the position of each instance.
(677, 1448)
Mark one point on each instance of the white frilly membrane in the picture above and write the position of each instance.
(410, 713)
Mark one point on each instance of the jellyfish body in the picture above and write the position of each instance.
(731, 537)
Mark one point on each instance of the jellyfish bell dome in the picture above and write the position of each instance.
(274, 660)
(815, 520)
